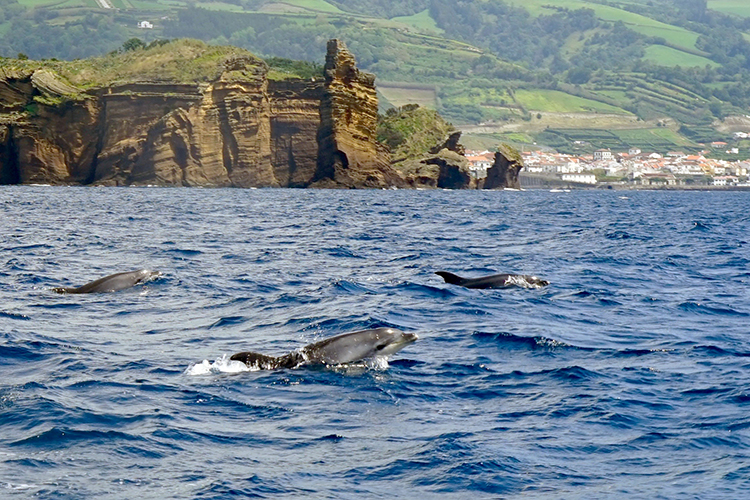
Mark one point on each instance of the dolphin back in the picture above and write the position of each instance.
(263, 362)
(113, 282)
(495, 281)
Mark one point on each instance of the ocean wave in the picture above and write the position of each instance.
(62, 437)
(633, 362)
(530, 343)
(702, 308)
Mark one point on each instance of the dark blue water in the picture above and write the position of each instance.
(629, 375)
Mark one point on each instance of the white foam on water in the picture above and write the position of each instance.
(221, 365)
(378, 363)
(20, 486)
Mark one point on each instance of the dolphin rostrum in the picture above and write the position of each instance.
(113, 282)
(494, 281)
(345, 348)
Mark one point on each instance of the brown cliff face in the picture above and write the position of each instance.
(350, 155)
(504, 171)
(9, 173)
(295, 120)
(237, 128)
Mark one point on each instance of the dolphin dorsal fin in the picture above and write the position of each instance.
(451, 278)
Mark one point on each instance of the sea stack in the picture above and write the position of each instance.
(349, 154)
(504, 171)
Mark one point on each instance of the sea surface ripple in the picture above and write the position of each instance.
(629, 375)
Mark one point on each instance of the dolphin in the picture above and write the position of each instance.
(494, 281)
(113, 282)
(345, 348)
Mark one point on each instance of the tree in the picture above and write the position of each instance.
(133, 44)
(579, 75)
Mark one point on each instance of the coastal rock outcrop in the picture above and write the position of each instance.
(443, 170)
(237, 128)
(349, 153)
(504, 171)
(451, 144)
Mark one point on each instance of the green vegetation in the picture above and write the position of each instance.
(421, 21)
(577, 141)
(560, 102)
(315, 5)
(282, 68)
(739, 8)
(495, 62)
(510, 152)
(411, 131)
(667, 56)
(183, 61)
(401, 94)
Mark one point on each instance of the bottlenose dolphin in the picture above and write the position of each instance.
(345, 348)
(113, 282)
(494, 281)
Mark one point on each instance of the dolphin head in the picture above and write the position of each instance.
(392, 340)
(144, 275)
(355, 346)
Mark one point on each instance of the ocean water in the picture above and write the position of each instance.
(628, 376)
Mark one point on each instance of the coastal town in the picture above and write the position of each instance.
(632, 168)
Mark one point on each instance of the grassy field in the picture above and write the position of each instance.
(77, 3)
(228, 7)
(667, 56)
(661, 140)
(421, 21)
(653, 138)
(315, 6)
(554, 101)
(401, 95)
(490, 142)
(149, 5)
(737, 7)
(38, 3)
(674, 35)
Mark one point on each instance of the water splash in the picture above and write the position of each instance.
(221, 365)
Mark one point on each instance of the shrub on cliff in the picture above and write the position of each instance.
(411, 131)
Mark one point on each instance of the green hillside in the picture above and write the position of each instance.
(518, 67)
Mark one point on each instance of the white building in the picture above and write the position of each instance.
(603, 155)
(580, 178)
(145, 25)
(725, 180)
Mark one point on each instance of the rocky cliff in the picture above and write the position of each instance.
(504, 171)
(350, 155)
(235, 127)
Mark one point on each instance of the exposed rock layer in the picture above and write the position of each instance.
(238, 128)
(241, 129)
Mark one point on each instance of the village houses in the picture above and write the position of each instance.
(634, 167)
